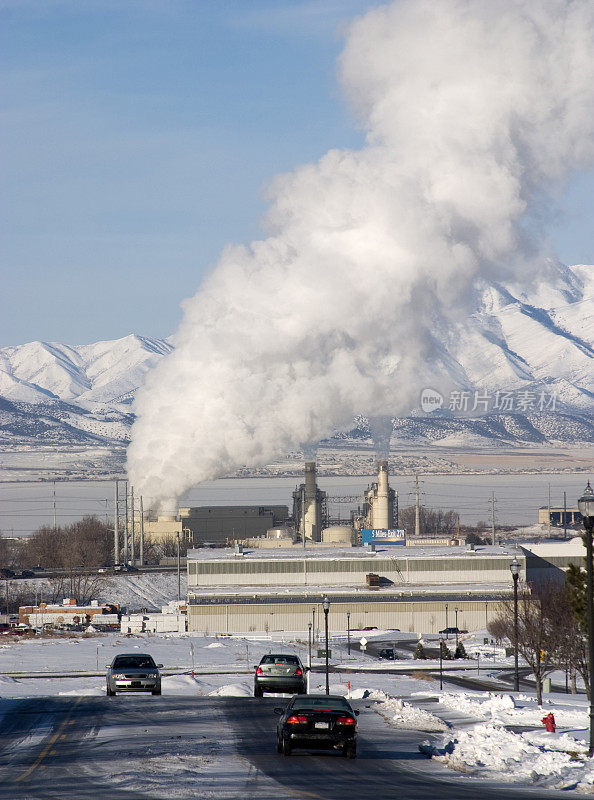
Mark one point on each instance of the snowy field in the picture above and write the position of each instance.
(483, 734)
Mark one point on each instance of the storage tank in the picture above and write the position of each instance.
(342, 534)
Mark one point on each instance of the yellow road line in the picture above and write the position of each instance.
(49, 745)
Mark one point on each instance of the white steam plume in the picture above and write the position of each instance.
(474, 111)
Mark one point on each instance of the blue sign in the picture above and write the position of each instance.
(384, 536)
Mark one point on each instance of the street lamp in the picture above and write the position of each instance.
(441, 645)
(515, 571)
(326, 607)
(586, 507)
(446, 625)
(349, 632)
(178, 574)
(456, 613)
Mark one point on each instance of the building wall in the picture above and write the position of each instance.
(328, 572)
(414, 615)
(219, 523)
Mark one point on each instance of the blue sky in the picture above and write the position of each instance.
(138, 136)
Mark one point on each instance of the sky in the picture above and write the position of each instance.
(138, 139)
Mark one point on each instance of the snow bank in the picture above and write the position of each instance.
(503, 709)
(403, 715)
(232, 690)
(548, 760)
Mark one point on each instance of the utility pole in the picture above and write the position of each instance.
(132, 553)
(116, 533)
(126, 528)
(417, 508)
(55, 525)
(549, 517)
(141, 533)
(492, 518)
(565, 515)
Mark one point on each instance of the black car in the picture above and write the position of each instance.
(452, 630)
(387, 652)
(317, 721)
(279, 672)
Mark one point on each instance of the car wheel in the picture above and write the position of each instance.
(110, 693)
(349, 751)
(279, 745)
(258, 691)
(286, 747)
(156, 691)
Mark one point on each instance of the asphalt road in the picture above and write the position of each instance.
(138, 747)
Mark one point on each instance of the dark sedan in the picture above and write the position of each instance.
(317, 721)
(133, 672)
(279, 672)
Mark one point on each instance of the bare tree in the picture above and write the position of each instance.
(538, 638)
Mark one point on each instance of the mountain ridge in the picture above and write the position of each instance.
(534, 341)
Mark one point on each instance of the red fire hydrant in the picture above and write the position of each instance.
(549, 723)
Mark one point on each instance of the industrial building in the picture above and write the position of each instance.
(310, 510)
(558, 515)
(281, 590)
(217, 524)
(380, 507)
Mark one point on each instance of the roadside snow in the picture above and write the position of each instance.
(544, 759)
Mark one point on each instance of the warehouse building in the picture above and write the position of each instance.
(283, 590)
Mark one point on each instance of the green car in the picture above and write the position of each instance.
(279, 672)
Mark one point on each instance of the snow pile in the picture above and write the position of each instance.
(503, 709)
(544, 759)
(403, 715)
(232, 690)
(214, 644)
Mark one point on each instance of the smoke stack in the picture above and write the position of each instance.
(311, 511)
(381, 511)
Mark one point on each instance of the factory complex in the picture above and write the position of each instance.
(262, 568)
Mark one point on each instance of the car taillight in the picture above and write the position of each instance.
(297, 718)
(298, 671)
(259, 671)
(345, 721)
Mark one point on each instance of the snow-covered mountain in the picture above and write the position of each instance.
(537, 341)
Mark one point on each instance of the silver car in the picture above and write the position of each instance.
(133, 672)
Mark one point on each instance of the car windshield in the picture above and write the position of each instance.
(279, 660)
(310, 702)
(133, 662)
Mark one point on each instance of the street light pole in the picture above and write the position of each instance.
(178, 573)
(326, 606)
(441, 664)
(586, 507)
(456, 613)
(446, 625)
(308, 654)
(515, 571)
(349, 632)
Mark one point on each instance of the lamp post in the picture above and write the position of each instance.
(326, 607)
(586, 507)
(441, 663)
(349, 632)
(309, 626)
(178, 574)
(446, 625)
(515, 571)
(456, 613)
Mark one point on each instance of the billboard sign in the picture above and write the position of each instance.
(384, 536)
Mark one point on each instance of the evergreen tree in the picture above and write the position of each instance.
(445, 651)
(420, 652)
(460, 651)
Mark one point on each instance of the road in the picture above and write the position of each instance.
(139, 747)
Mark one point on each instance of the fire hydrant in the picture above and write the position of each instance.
(549, 723)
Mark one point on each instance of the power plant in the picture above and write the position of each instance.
(380, 509)
(310, 510)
